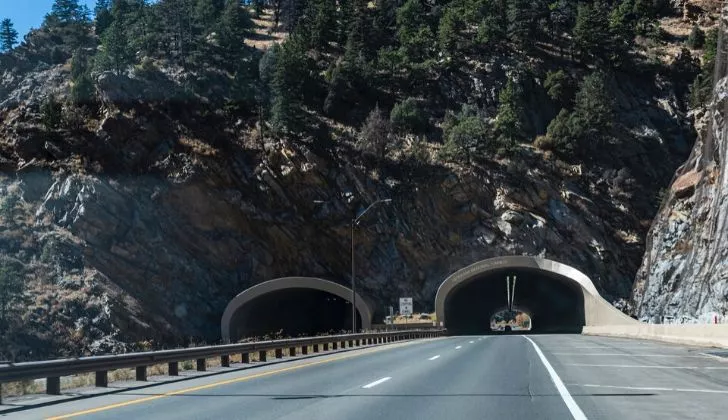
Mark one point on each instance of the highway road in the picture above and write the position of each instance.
(474, 377)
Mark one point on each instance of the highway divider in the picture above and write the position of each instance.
(53, 370)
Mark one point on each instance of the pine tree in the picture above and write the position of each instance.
(235, 23)
(82, 88)
(103, 15)
(593, 110)
(207, 13)
(8, 35)
(559, 87)
(508, 124)
(696, 39)
(287, 84)
(115, 54)
(449, 33)
(68, 11)
(521, 22)
(591, 31)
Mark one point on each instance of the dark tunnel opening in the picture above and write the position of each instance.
(555, 304)
(292, 312)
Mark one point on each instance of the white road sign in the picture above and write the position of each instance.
(405, 306)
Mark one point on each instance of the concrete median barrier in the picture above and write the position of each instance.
(706, 335)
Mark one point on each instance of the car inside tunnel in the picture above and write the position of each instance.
(554, 303)
(292, 312)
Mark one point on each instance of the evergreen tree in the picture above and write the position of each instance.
(521, 22)
(593, 112)
(559, 87)
(51, 113)
(82, 88)
(207, 13)
(69, 11)
(235, 24)
(8, 35)
(115, 53)
(508, 124)
(591, 31)
(103, 15)
(322, 27)
(416, 38)
(450, 31)
(696, 39)
(287, 84)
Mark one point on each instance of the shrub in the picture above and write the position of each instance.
(376, 133)
(560, 87)
(51, 113)
(408, 116)
(696, 39)
(466, 135)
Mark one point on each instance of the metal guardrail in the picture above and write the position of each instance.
(53, 370)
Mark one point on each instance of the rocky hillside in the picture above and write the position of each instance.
(684, 274)
(130, 219)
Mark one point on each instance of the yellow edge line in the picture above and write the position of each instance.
(216, 384)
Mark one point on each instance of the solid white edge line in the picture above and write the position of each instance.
(458, 347)
(629, 354)
(377, 382)
(573, 407)
(434, 357)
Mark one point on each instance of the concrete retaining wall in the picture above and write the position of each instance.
(706, 335)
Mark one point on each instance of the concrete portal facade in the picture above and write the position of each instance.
(238, 302)
(597, 311)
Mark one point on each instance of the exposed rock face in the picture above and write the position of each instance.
(684, 274)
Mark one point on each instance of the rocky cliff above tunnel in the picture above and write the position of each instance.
(140, 224)
(684, 274)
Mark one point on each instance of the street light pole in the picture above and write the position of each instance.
(354, 222)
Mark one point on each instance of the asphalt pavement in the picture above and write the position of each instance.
(473, 377)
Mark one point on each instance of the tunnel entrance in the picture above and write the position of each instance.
(555, 304)
(293, 312)
(293, 306)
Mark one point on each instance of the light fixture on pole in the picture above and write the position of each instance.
(354, 223)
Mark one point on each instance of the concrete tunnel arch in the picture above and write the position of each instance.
(588, 305)
(252, 293)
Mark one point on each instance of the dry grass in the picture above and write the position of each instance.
(198, 147)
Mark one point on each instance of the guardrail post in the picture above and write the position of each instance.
(279, 353)
(245, 357)
(225, 360)
(263, 356)
(315, 348)
(326, 346)
(334, 345)
(291, 351)
(351, 343)
(102, 379)
(201, 365)
(304, 350)
(358, 342)
(173, 368)
(53, 385)
(141, 373)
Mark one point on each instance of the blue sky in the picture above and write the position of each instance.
(27, 14)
